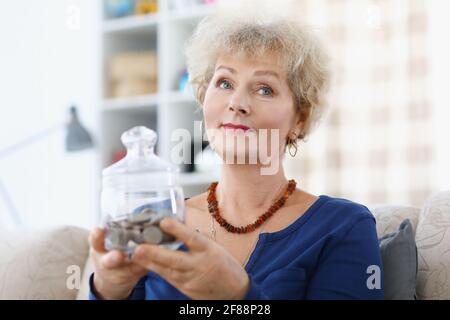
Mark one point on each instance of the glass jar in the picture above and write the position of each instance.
(137, 193)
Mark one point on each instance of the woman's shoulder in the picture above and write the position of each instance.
(351, 208)
(330, 206)
(336, 213)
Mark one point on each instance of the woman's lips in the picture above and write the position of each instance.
(230, 126)
(234, 130)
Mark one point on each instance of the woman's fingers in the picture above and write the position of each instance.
(108, 259)
(97, 240)
(170, 274)
(192, 239)
(147, 255)
(137, 269)
(113, 259)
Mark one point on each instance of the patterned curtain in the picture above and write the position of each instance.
(375, 144)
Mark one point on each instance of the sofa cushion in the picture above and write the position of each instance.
(433, 244)
(389, 217)
(399, 257)
(37, 264)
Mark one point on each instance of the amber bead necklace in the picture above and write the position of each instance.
(215, 215)
(213, 208)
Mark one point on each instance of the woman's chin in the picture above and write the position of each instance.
(240, 156)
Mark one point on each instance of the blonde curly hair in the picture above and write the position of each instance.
(301, 51)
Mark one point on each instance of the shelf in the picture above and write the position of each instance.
(144, 23)
(144, 102)
(138, 103)
(180, 97)
(135, 24)
(164, 32)
(190, 13)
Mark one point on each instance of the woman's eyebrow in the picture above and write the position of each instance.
(256, 73)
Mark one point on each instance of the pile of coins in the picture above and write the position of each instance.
(142, 227)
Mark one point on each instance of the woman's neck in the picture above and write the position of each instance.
(244, 193)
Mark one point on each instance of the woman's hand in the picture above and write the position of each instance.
(207, 271)
(115, 276)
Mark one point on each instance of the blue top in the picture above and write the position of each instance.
(330, 252)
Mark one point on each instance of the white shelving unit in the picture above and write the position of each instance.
(165, 32)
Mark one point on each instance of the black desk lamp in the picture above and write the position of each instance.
(77, 139)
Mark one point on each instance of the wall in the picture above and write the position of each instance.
(440, 66)
(48, 61)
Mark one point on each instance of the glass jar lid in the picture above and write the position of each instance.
(141, 167)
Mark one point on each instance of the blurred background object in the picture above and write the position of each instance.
(377, 143)
(133, 74)
(77, 139)
(119, 8)
(49, 59)
(146, 7)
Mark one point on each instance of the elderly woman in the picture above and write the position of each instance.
(253, 234)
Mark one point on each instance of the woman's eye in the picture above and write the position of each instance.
(224, 84)
(266, 91)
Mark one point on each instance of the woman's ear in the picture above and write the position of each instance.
(304, 115)
(298, 126)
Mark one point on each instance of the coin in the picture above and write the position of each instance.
(160, 216)
(135, 234)
(115, 238)
(143, 216)
(132, 244)
(137, 228)
(152, 235)
(125, 223)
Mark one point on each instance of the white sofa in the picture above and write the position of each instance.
(50, 264)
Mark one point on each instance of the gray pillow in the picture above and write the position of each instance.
(399, 257)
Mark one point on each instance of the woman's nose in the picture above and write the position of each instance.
(239, 106)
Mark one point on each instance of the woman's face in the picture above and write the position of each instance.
(254, 94)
